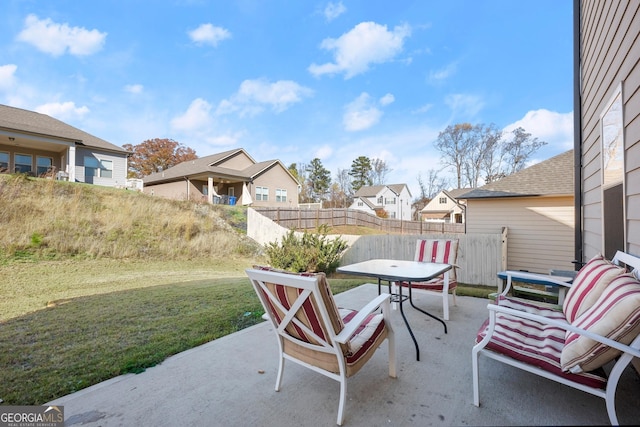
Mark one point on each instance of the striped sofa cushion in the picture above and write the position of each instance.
(532, 342)
(588, 285)
(615, 315)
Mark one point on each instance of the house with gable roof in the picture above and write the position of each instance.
(394, 199)
(536, 205)
(230, 177)
(39, 145)
(445, 207)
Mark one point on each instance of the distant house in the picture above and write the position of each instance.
(229, 177)
(537, 206)
(445, 207)
(39, 145)
(394, 199)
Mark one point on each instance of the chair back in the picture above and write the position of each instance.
(301, 307)
(438, 250)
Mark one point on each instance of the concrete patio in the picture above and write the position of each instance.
(230, 382)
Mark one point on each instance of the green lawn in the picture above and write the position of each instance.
(105, 318)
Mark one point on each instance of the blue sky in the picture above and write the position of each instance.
(294, 79)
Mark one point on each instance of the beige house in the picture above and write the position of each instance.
(39, 145)
(607, 126)
(231, 177)
(537, 207)
(445, 207)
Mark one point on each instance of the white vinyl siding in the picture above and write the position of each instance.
(540, 229)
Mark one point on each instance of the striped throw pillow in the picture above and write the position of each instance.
(588, 285)
(615, 315)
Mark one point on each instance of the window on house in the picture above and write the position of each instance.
(205, 190)
(390, 201)
(106, 168)
(262, 194)
(360, 203)
(91, 166)
(23, 163)
(4, 161)
(43, 165)
(442, 200)
(380, 200)
(281, 195)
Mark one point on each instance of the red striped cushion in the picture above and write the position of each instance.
(532, 342)
(438, 250)
(615, 315)
(588, 285)
(436, 284)
(362, 341)
(309, 314)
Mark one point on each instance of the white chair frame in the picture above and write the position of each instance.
(629, 352)
(309, 285)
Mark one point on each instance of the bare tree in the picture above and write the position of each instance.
(519, 149)
(479, 152)
(379, 171)
(454, 143)
(343, 180)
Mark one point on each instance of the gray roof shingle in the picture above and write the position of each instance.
(41, 124)
(550, 177)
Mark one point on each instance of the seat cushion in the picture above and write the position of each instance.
(615, 315)
(588, 285)
(533, 342)
(365, 340)
(309, 314)
(435, 285)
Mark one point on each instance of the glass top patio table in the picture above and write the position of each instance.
(394, 271)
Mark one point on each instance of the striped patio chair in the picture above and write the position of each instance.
(437, 251)
(313, 332)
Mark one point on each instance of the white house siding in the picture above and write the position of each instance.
(610, 30)
(119, 173)
(540, 229)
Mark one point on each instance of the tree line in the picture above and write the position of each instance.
(477, 154)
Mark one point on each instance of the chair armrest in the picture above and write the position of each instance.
(353, 325)
(494, 308)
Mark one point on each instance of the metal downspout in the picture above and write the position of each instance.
(577, 132)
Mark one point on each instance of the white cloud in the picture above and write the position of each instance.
(324, 152)
(367, 43)
(56, 39)
(333, 10)
(253, 95)
(7, 76)
(134, 89)
(464, 105)
(443, 73)
(549, 126)
(195, 118)
(387, 99)
(361, 113)
(63, 110)
(209, 34)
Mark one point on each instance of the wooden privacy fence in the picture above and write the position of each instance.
(480, 256)
(305, 219)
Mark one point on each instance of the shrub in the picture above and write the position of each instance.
(310, 252)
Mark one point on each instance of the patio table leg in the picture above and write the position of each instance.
(428, 314)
